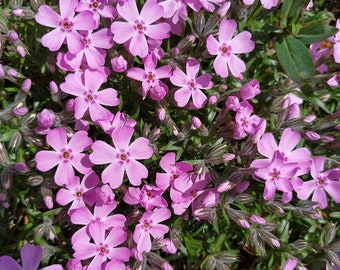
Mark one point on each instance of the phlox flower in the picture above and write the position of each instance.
(267, 147)
(277, 176)
(149, 225)
(88, 96)
(334, 80)
(323, 182)
(191, 85)
(122, 157)
(150, 76)
(138, 26)
(117, 120)
(226, 47)
(92, 49)
(148, 196)
(175, 10)
(77, 192)
(336, 46)
(30, 258)
(65, 24)
(174, 171)
(103, 248)
(319, 51)
(67, 155)
(267, 4)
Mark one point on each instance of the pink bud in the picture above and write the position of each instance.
(119, 64)
(166, 266)
(290, 264)
(2, 197)
(21, 51)
(161, 114)
(174, 51)
(158, 92)
(26, 85)
(70, 105)
(195, 122)
(232, 103)
(48, 201)
(45, 118)
(309, 118)
(228, 157)
(21, 167)
(20, 111)
(311, 135)
(241, 187)
(257, 220)
(74, 264)
(12, 72)
(327, 138)
(223, 9)
(250, 90)
(224, 186)
(105, 195)
(212, 100)
(53, 88)
(2, 71)
(244, 223)
(13, 36)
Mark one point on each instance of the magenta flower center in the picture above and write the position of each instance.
(174, 176)
(78, 194)
(123, 157)
(94, 4)
(275, 174)
(150, 77)
(66, 155)
(139, 26)
(89, 96)
(321, 181)
(103, 249)
(225, 50)
(149, 193)
(192, 84)
(66, 25)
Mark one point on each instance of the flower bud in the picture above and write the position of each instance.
(2, 71)
(6, 179)
(257, 219)
(53, 88)
(20, 111)
(212, 100)
(21, 51)
(2, 197)
(311, 135)
(118, 64)
(15, 141)
(13, 36)
(35, 180)
(74, 264)
(309, 118)
(26, 85)
(223, 9)
(224, 186)
(69, 107)
(232, 103)
(250, 90)
(12, 72)
(195, 122)
(21, 167)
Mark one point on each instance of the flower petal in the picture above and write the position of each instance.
(46, 160)
(53, 40)
(140, 149)
(47, 16)
(135, 171)
(31, 256)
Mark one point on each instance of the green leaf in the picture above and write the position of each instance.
(294, 58)
(6, 136)
(291, 7)
(315, 33)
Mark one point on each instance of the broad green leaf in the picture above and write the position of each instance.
(321, 18)
(314, 33)
(290, 7)
(294, 58)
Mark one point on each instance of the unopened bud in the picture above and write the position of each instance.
(26, 85)
(223, 9)
(212, 100)
(35, 180)
(311, 135)
(241, 187)
(6, 179)
(224, 186)
(232, 103)
(20, 111)
(195, 122)
(53, 88)
(13, 36)
(228, 157)
(309, 118)
(118, 64)
(15, 141)
(257, 219)
(21, 50)
(21, 167)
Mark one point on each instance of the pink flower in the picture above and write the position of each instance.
(175, 172)
(92, 49)
(77, 192)
(65, 24)
(250, 90)
(139, 25)
(245, 122)
(118, 64)
(65, 155)
(191, 85)
(336, 46)
(150, 76)
(267, 4)
(323, 181)
(30, 258)
(149, 224)
(103, 248)
(45, 120)
(227, 47)
(122, 157)
(88, 97)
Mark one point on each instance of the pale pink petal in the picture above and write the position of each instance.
(81, 216)
(81, 163)
(7, 262)
(80, 107)
(80, 142)
(221, 67)
(267, 145)
(242, 43)
(122, 32)
(67, 8)
(64, 173)
(192, 68)
(119, 254)
(94, 79)
(163, 72)
(84, 250)
(115, 237)
(236, 66)
(135, 171)
(57, 138)
(336, 52)
(103, 153)
(269, 190)
(268, 4)
(163, 180)
(160, 214)
(333, 189)
(47, 16)
(159, 230)
(212, 45)
(52, 267)
(144, 242)
(121, 137)
(114, 221)
(138, 45)
(260, 163)
(179, 78)
(95, 57)
(64, 196)
(182, 96)
(113, 175)
(128, 10)
(97, 231)
(226, 30)
(204, 81)
(140, 149)
(108, 97)
(73, 85)
(306, 189)
(53, 40)
(137, 74)
(46, 160)
(168, 162)
(284, 185)
(84, 21)
(74, 42)
(97, 112)
(102, 39)
(198, 98)
(104, 210)
(289, 139)
(158, 31)
(317, 166)
(151, 11)
(31, 256)
(320, 197)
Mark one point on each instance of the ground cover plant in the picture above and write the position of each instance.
(192, 134)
